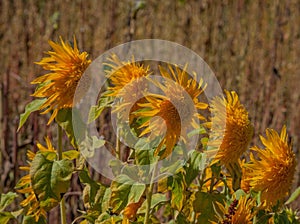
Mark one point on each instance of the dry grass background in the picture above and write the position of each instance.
(252, 46)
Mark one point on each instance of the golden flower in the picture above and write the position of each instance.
(127, 83)
(231, 128)
(123, 73)
(273, 172)
(66, 66)
(25, 185)
(238, 212)
(174, 111)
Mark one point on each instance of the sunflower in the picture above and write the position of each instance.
(25, 186)
(273, 172)
(66, 66)
(127, 83)
(231, 128)
(122, 73)
(173, 111)
(238, 212)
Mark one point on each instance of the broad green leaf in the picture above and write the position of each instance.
(124, 190)
(196, 164)
(94, 192)
(281, 218)
(88, 146)
(6, 199)
(171, 167)
(205, 203)
(178, 194)
(157, 199)
(105, 200)
(50, 178)
(71, 154)
(65, 119)
(133, 172)
(181, 219)
(144, 156)
(116, 166)
(262, 217)
(29, 219)
(294, 196)
(29, 108)
(61, 174)
(5, 217)
(136, 192)
(95, 111)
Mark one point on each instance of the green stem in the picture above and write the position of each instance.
(63, 217)
(59, 142)
(149, 192)
(118, 147)
(62, 202)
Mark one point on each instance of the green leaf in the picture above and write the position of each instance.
(61, 174)
(29, 108)
(65, 119)
(205, 203)
(89, 144)
(71, 154)
(116, 166)
(29, 219)
(124, 190)
(281, 218)
(144, 156)
(95, 111)
(196, 164)
(6, 199)
(181, 219)
(178, 194)
(50, 179)
(294, 196)
(157, 199)
(136, 192)
(93, 189)
(5, 217)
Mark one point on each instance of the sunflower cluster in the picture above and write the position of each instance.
(166, 111)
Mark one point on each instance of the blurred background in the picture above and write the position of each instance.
(252, 46)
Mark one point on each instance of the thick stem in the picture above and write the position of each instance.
(63, 217)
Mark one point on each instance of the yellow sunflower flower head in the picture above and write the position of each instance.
(127, 84)
(272, 173)
(66, 65)
(25, 186)
(173, 111)
(238, 212)
(122, 73)
(231, 130)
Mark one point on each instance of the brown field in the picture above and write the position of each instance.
(252, 46)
